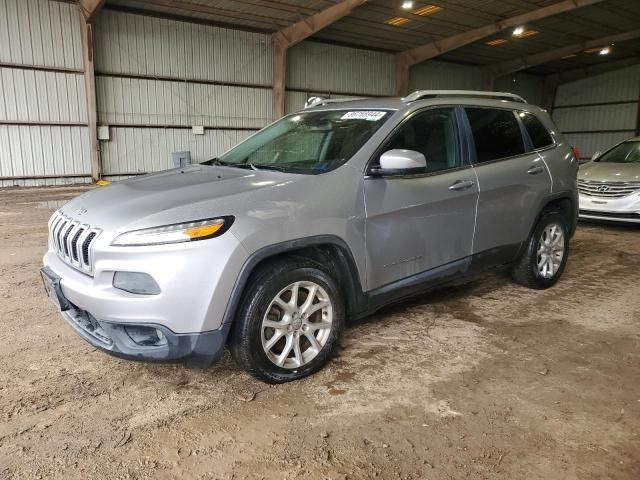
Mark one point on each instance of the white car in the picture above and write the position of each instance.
(609, 185)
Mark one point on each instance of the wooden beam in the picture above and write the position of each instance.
(279, 57)
(297, 32)
(600, 68)
(86, 30)
(282, 40)
(522, 63)
(430, 50)
(90, 8)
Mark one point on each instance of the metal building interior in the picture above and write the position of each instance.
(482, 380)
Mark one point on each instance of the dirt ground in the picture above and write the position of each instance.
(485, 380)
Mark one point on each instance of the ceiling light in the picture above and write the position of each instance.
(528, 33)
(605, 51)
(593, 50)
(427, 10)
(571, 55)
(518, 31)
(396, 21)
(496, 42)
(407, 5)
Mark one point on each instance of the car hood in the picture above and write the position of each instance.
(172, 196)
(609, 172)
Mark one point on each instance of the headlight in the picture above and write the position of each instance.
(179, 232)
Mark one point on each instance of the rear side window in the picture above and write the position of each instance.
(540, 136)
(496, 133)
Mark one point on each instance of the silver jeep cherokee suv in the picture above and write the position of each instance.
(323, 216)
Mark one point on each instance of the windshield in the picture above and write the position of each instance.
(628, 152)
(308, 143)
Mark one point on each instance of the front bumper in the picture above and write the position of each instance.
(199, 349)
(625, 209)
(195, 279)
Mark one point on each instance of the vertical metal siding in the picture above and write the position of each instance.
(135, 44)
(590, 143)
(529, 87)
(138, 45)
(39, 96)
(41, 33)
(294, 101)
(619, 85)
(599, 117)
(592, 122)
(133, 150)
(35, 150)
(156, 102)
(437, 75)
(321, 67)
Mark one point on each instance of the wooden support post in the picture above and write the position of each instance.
(86, 30)
(403, 70)
(279, 53)
(294, 34)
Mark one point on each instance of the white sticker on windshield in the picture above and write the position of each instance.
(371, 115)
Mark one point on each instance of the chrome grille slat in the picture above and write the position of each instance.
(72, 241)
(607, 189)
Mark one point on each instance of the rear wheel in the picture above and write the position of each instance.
(290, 321)
(544, 260)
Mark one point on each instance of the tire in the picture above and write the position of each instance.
(527, 271)
(260, 349)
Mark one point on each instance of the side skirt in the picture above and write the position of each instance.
(496, 258)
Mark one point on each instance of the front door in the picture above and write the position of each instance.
(419, 222)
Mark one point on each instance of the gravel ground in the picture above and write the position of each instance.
(485, 380)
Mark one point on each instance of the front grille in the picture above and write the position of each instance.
(72, 241)
(607, 189)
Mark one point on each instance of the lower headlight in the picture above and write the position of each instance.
(176, 233)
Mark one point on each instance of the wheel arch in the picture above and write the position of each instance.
(564, 204)
(327, 250)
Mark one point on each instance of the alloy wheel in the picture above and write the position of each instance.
(297, 324)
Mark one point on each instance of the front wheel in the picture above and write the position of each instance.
(544, 260)
(290, 321)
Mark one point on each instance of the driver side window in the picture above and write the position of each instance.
(434, 133)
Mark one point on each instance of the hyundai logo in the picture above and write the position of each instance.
(603, 188)
(81, 211)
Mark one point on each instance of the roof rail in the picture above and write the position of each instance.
(424, 94)
(315, 101)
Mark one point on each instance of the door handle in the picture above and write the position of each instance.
(535, 170)
(461, 185)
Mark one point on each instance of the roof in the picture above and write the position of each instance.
(365, 25)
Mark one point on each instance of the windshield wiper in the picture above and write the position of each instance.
(269, 167)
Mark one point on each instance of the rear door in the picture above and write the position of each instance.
(419, 222)
(512, 178)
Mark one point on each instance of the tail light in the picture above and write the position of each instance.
(576, 153)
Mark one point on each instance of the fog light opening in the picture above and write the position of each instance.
(146, 336)
(136, 282)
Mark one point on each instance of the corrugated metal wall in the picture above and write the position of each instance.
(529, 87)
(597, 112)
(437, 75)
(43, 118)
(353, 72)
(156, 78)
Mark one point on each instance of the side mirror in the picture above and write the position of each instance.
(596, 156)
(401, 162)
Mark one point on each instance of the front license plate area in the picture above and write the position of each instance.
(51, 283)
